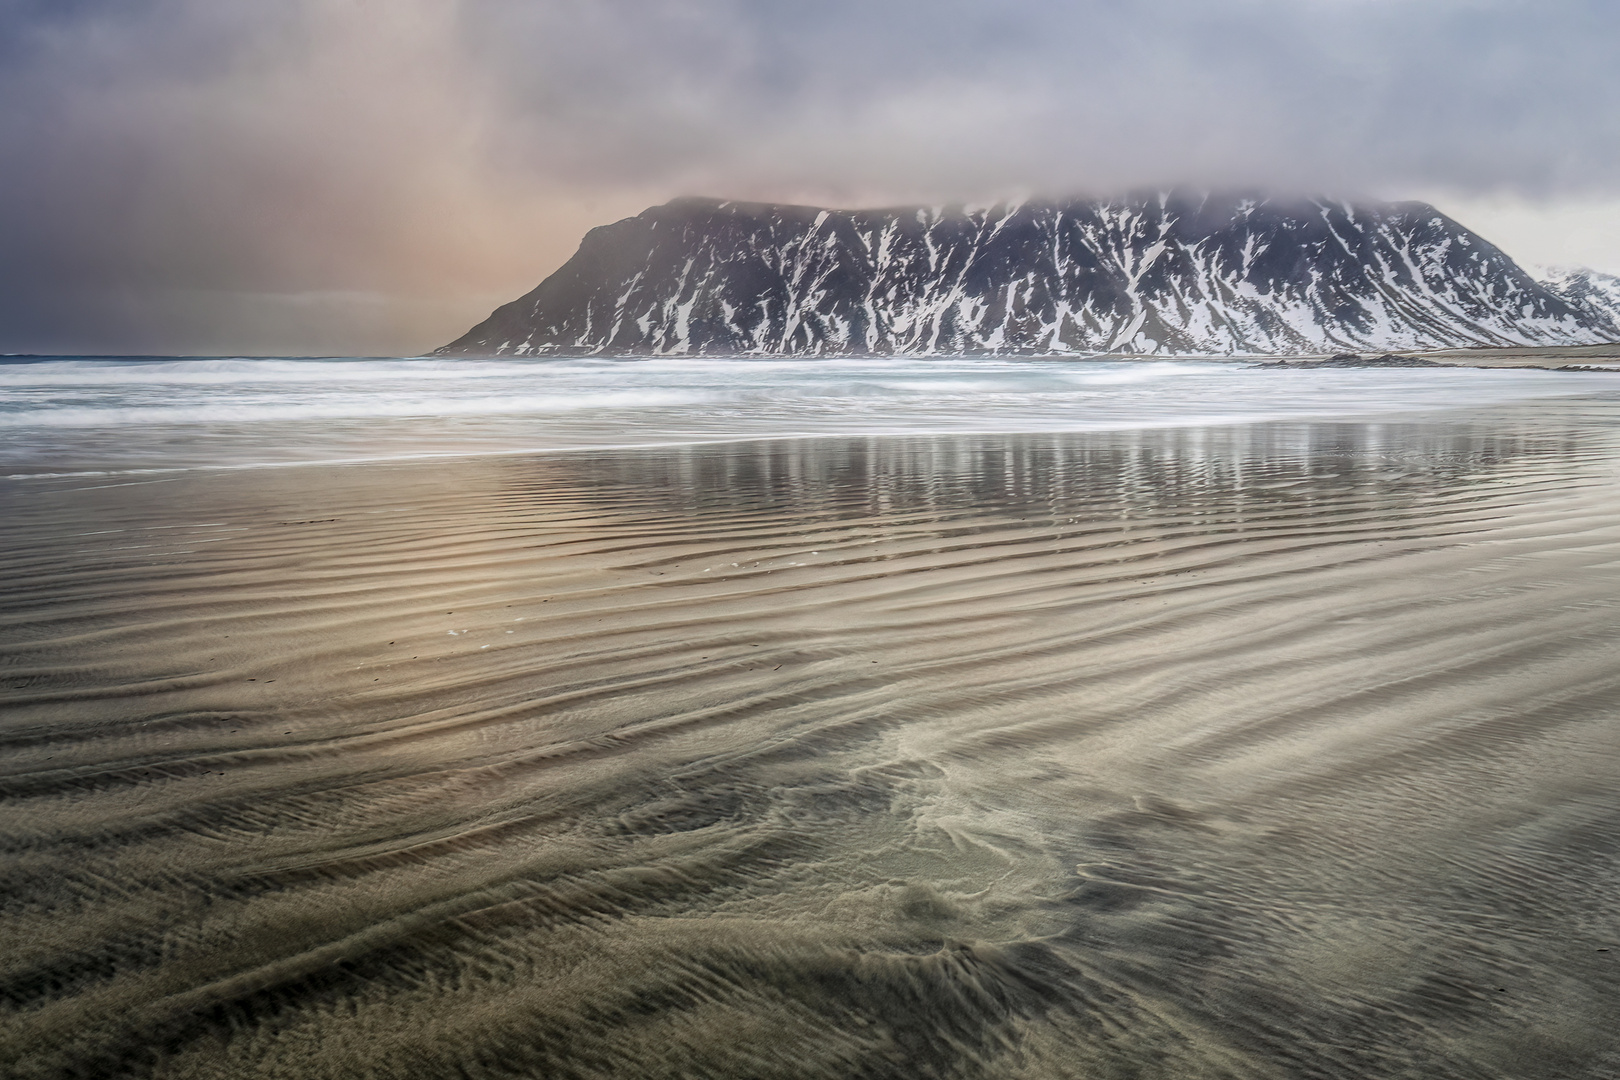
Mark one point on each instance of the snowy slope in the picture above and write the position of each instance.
(1176, 272)
(1592, 292)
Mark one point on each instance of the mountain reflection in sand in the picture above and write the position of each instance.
(1257, 751)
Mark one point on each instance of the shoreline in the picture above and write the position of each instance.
(137, 475)
(1536, 357)
(1602, 357)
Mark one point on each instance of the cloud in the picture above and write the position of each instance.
(218, 176)
(903, 95)
(231, 176)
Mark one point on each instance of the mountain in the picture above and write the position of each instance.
(1595, 294)
(1166, 273)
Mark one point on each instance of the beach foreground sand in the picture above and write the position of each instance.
(1258, 751)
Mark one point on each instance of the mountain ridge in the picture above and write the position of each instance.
(1593, 291)
(1152, 273)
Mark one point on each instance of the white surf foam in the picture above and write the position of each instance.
(84, 415)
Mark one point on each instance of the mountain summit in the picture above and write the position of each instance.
(1161, 273)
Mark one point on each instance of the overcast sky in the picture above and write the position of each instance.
(372, 176)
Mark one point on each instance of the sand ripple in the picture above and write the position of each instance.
(1260, 751)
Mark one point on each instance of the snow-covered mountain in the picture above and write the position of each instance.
(1592, 292)
(1175, 272)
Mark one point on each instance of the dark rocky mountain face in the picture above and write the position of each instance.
(1167, 273)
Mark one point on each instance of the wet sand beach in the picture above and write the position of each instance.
(1565, 358)
(1265, 750)
(1546, 356)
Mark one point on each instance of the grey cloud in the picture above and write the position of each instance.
(904, 94)
(176, 169)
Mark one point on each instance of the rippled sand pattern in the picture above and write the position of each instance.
(1275, 751)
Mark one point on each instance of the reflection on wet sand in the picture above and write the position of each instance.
(1280, 750)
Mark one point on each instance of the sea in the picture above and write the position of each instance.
(67, 415)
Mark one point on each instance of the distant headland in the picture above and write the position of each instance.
(1159, 273)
